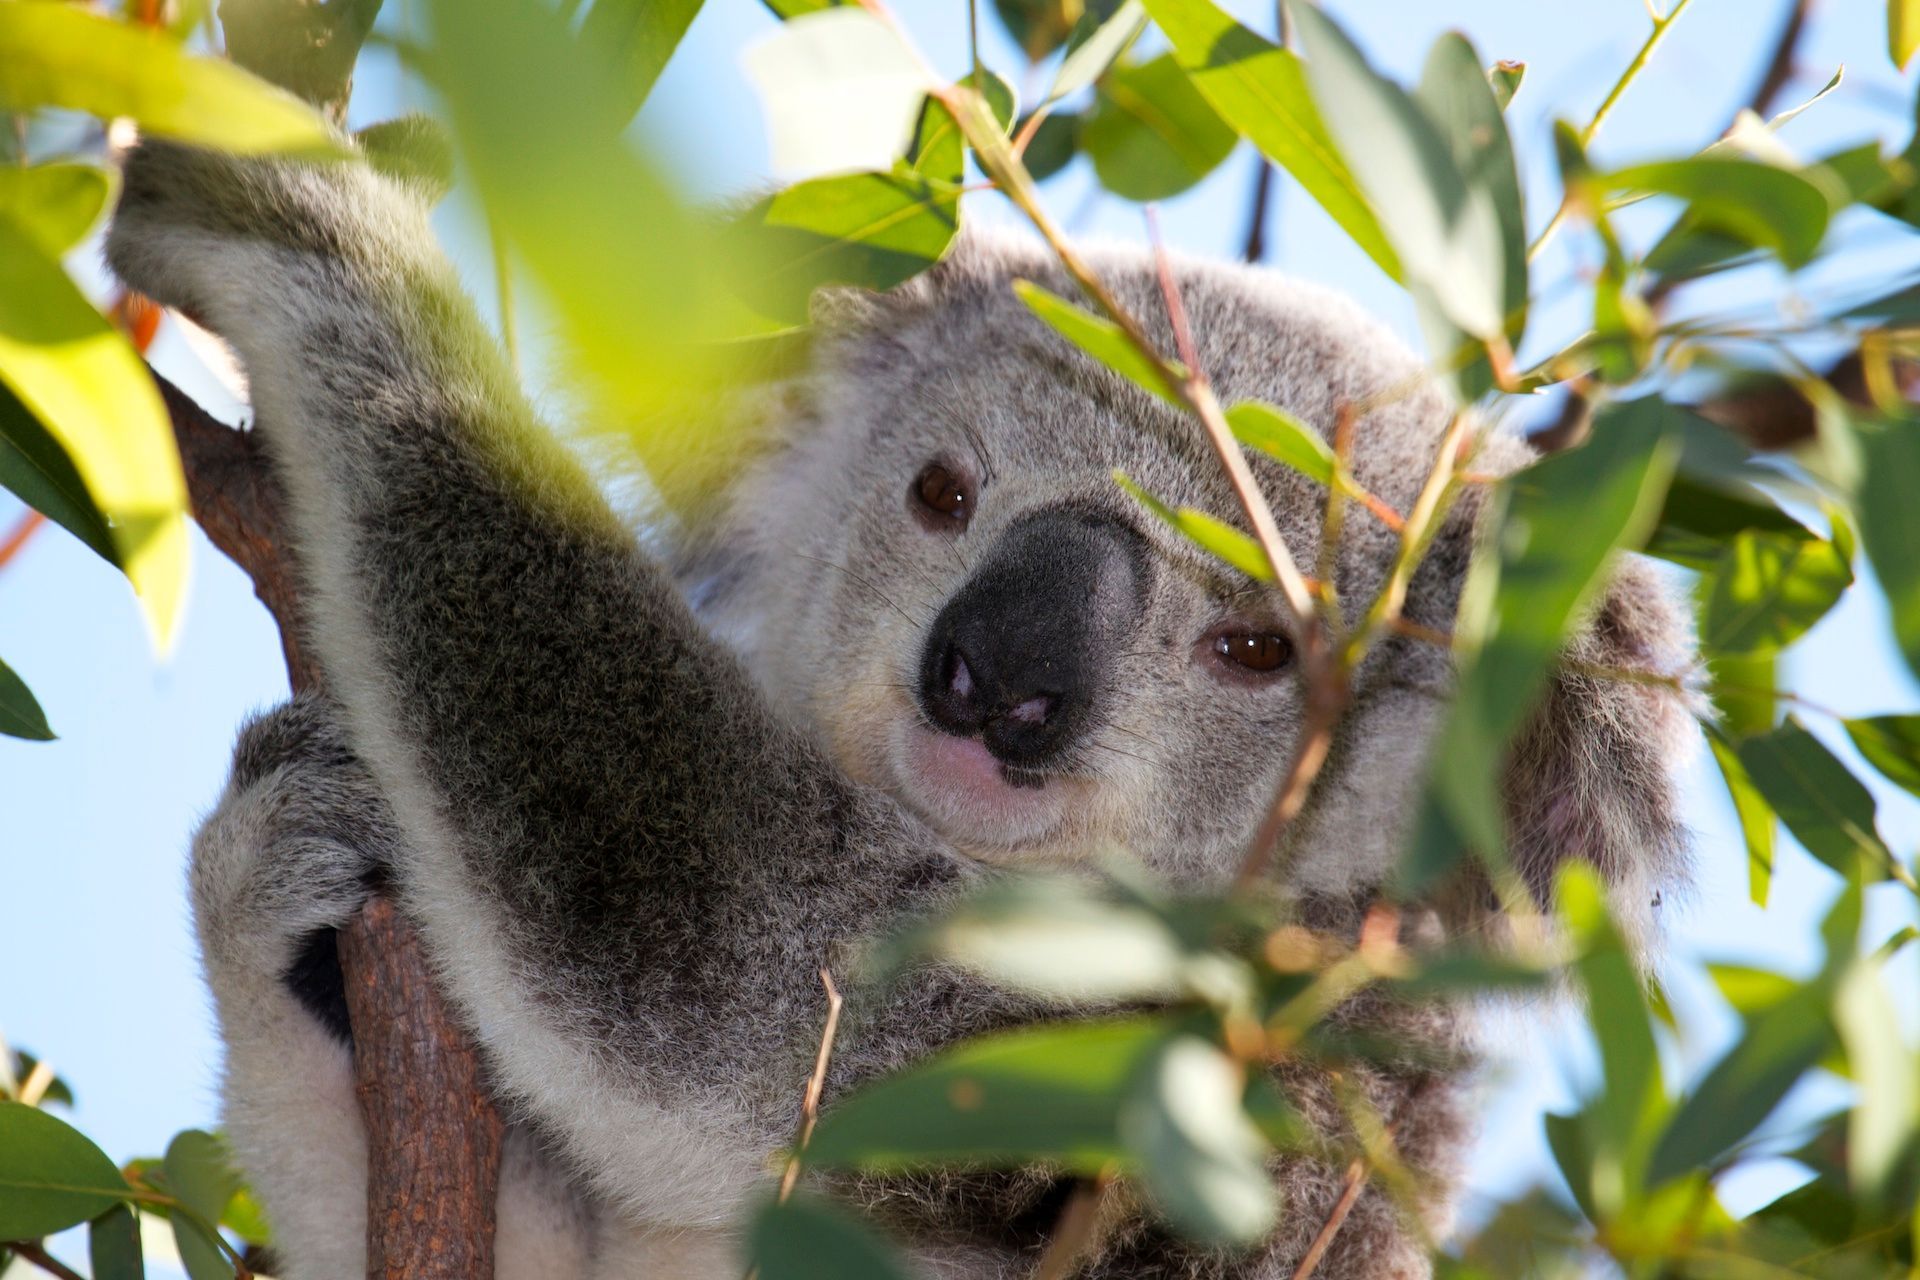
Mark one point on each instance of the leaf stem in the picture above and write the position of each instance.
(30, 1251)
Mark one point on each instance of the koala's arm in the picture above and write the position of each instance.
(628, 871)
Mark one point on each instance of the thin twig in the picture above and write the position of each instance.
(1255, 247)
(29, 1251)
(816, 1085)
(1780, 64)
(1073, 1228)
(1356, 1182)
(18, 537)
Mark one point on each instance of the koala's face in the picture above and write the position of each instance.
(939, 574)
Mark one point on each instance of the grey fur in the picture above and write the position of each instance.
(632, 835)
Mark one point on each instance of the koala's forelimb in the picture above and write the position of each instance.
(433, 1132)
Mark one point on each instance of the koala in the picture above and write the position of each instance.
(634, 796)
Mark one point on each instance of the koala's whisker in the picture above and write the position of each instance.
(878, 594)
(1119, 751)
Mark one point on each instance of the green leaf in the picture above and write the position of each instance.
(1769, 588)
(636, 37)
(1891, 744)
(1903, 31)
(1105, 31)
(1886, 1072)
(1890, 522)
(1150, 134)
(1445, 228)
(1041, 26)
(1566, 517)
(1212, 536)
(1053, 145)
(113, 1245)
(90, 389)
(1822, 803)
(20, 714)
(1751, 991)
(1702, 515)
(1505, 78)
(1261, 91)
(54, 205)
(200, 1176)
(1100, 338)
(807, 1238)
(1765, 206)
(870, 230)
(58, 1091)
(1040, 1093)
(57, 55)
(794, 8)
(1567, 1139)
(938, 150)
(1743, 1088)
(1201, 1159)
(38, 471)
(1282, 437)
(51, 1176)
(1756, 818)
(839, 89)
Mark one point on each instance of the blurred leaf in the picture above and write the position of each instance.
(1890, 522)
(1765, 206)
(1886, 1072)
(1100, 338)
(1821, 802)
(51, 1177)
(411, 148)
(870, 230)
(1742, 687)
(245, 1217)
(1053, 145)
(54, 205)
(1567, 1139)
(1566, 516)
(1505, 78)
(57, 1090)
(1781, 1043)
(839, 90)
(1769, 588)
(1039, 1093)
(1209, 534)
(1105, 31)
(1751, 991)
(57, 55)
(1150, 134)
(1756, 819)
(1201, 1160)
(1903, 31)
(1282, 437)
(938, 150)
(200, 1176)
(794, 8)
(1446, 229)
(20, 713)
(1261, 91)
(38, 471)
(113, 1245)
(636, 37)
(1710, 501)
(1039, 26)
(1891, 744)
(91, 391)
(808, 1238)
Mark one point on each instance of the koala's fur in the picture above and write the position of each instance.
(631, 834)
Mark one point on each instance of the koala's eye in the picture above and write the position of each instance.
(1257, 652)
(941, 498)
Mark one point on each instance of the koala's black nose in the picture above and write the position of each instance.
(1019, 654)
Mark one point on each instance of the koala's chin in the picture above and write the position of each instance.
(991, 811)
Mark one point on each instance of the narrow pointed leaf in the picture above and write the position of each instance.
(37, 470)
(1891, 744)
(1282, 437)
(637, 37)
(1099, 338)
(1822, 803)
(1756, 819)
(1766, 206)
(1903, 31)
(20, 714)
(1209, 534)
(199, 1174)
(1104, 32)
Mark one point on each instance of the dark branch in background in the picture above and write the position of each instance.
(1780, 66)
(433, 1133)
(1255, 247)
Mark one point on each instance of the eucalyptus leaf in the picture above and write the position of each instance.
(20, 713)
(1886, 1073)
(808, 1238)
(839, 90)
(1769, 588)
(1753, 813)
(54, 205)
(1282, 437)
(1822, 803)
(636, 37)
(1766, 206)
(1505, 79)
(1891, 744)
(113, 1245)
(51, 1176)
(1903, 31)
(1890, 522)
(1100, 338)
(200, 1175)
(1150, 134)
(1211, 535)
(1105, 31)
(59, 55)
(1261, 90)
(1201, 1159)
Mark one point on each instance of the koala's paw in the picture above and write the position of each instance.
(295, 846)
(207, 232)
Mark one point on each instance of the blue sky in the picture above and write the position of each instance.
(97, 968)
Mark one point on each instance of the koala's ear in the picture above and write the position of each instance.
(1594, 773)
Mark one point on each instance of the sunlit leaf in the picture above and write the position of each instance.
(20, 714)
(1150, 134)
(1701, 516)
(58, 55)
(1206, 532)
(1099, 338)
(1041, 26)
(870, 230)
(1891, 744)
(938, 150)
(1751, 991)
(1105, 30)
(1886, 1072)
(1903, 31)
(54, 205)
(37, 470)
(113, 1245)
(51, 1176)
(1261, 90)
(1769, 588)
(794, 8)
(839, 89)
(1743, 1088)
(1766, 206)
(1890, 522)
(200, 1175)
(807, 1238)
(1505, 78)
(1282, 437)
(1201, 1159)
(1048, 1092)
(636, 37)
(90, 390)
(1822, 803)
(1053, 145)
(1756, 818)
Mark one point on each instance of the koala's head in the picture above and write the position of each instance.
(933, 568)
